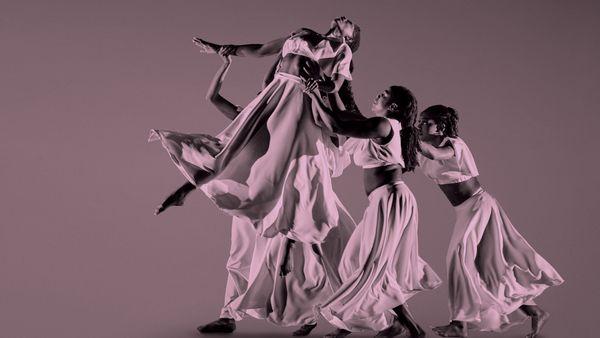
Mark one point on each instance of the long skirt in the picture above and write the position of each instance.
(288, 299)
(271, 166)
(492, 270)
(381, 267)
(245, 243)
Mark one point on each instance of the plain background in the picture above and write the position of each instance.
(82, 82)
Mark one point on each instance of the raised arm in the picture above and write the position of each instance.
(260, 50)
(253, 49)
(223, 105)
(435, 153)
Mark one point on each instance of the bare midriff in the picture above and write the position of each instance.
(459, 192)
(292, 63)
(379, 176)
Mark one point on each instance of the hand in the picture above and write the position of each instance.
(310, 85)
(225, 53)
(205, 46)
(175, 199)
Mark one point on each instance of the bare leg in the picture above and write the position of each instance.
(176, 198)
(406, 319)
(538, 319)
(454, 329)
(286, 264)
(394, 330)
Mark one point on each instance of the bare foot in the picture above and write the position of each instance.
(537, 322)
(394, 330)
(304, 330)
(338, 333)
(453, 329)
(174, 200)
(221, 325)
(206, 47)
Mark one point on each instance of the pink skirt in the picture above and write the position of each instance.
(271, 166)
(381, 267)
(492, 270)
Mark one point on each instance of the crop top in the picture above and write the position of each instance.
(459, 168)
(369, 154)
(323, 50)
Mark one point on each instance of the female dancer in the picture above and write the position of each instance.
(245, 245)
(271, 164)
(381, 268)
(492, 270)
(273, 294)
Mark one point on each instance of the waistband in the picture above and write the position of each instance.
(470, 199)
(385, 187)
(289, 76)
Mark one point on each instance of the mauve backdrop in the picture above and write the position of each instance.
(82, 82)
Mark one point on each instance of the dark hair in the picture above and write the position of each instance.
(406, 114)
(445, 117)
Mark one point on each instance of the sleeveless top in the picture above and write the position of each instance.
(369, 154)
(459, 168)
(323, 50)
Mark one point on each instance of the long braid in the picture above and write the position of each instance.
(406, 114)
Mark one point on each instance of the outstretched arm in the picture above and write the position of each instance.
(253, 49)
(260, 50)
(434, 153)
(375, 127)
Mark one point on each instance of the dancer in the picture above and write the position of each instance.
(254, 167)
(492, 270)
(381, 268)
(243, 249)
(273, 294)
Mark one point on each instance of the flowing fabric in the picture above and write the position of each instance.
(289, 300)
(492, 270)
(271, 166)
(245, 244)
(381, 267)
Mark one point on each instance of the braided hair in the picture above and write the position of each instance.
(445, 117)
(406, 114)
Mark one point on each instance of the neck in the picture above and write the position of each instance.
(434, 140)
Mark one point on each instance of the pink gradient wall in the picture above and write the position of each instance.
(81, 82)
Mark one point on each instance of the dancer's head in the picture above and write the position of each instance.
(347, 30)
(399, 103)
(438, 121)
